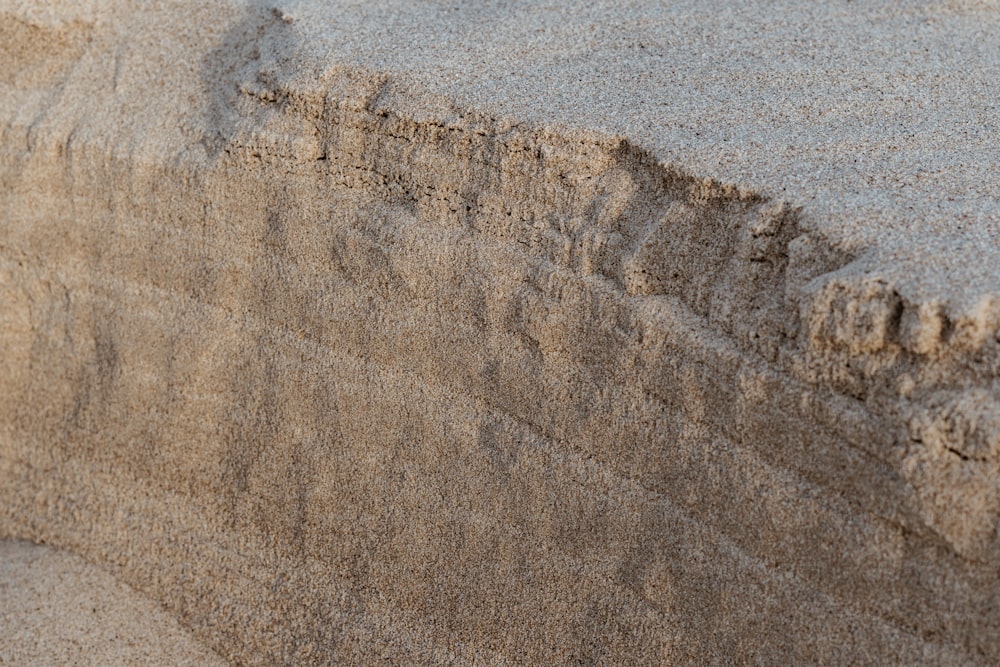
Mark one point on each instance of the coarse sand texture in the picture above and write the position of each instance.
(503, 333)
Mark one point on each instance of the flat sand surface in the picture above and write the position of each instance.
(58, 609)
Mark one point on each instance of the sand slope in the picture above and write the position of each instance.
(333, 330)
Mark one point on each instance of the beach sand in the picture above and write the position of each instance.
(509, 332)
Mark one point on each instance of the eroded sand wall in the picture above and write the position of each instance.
(363, 376)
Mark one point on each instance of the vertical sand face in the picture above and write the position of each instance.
(338, 371)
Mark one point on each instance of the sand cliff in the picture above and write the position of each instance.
(339, 367)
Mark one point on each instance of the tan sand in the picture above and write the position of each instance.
(57, 609)
(510, 333)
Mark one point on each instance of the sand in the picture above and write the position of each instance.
(57, 609)
(508, 333)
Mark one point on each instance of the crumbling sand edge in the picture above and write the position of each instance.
(733, 256)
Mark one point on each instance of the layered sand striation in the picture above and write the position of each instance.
(343, 358)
